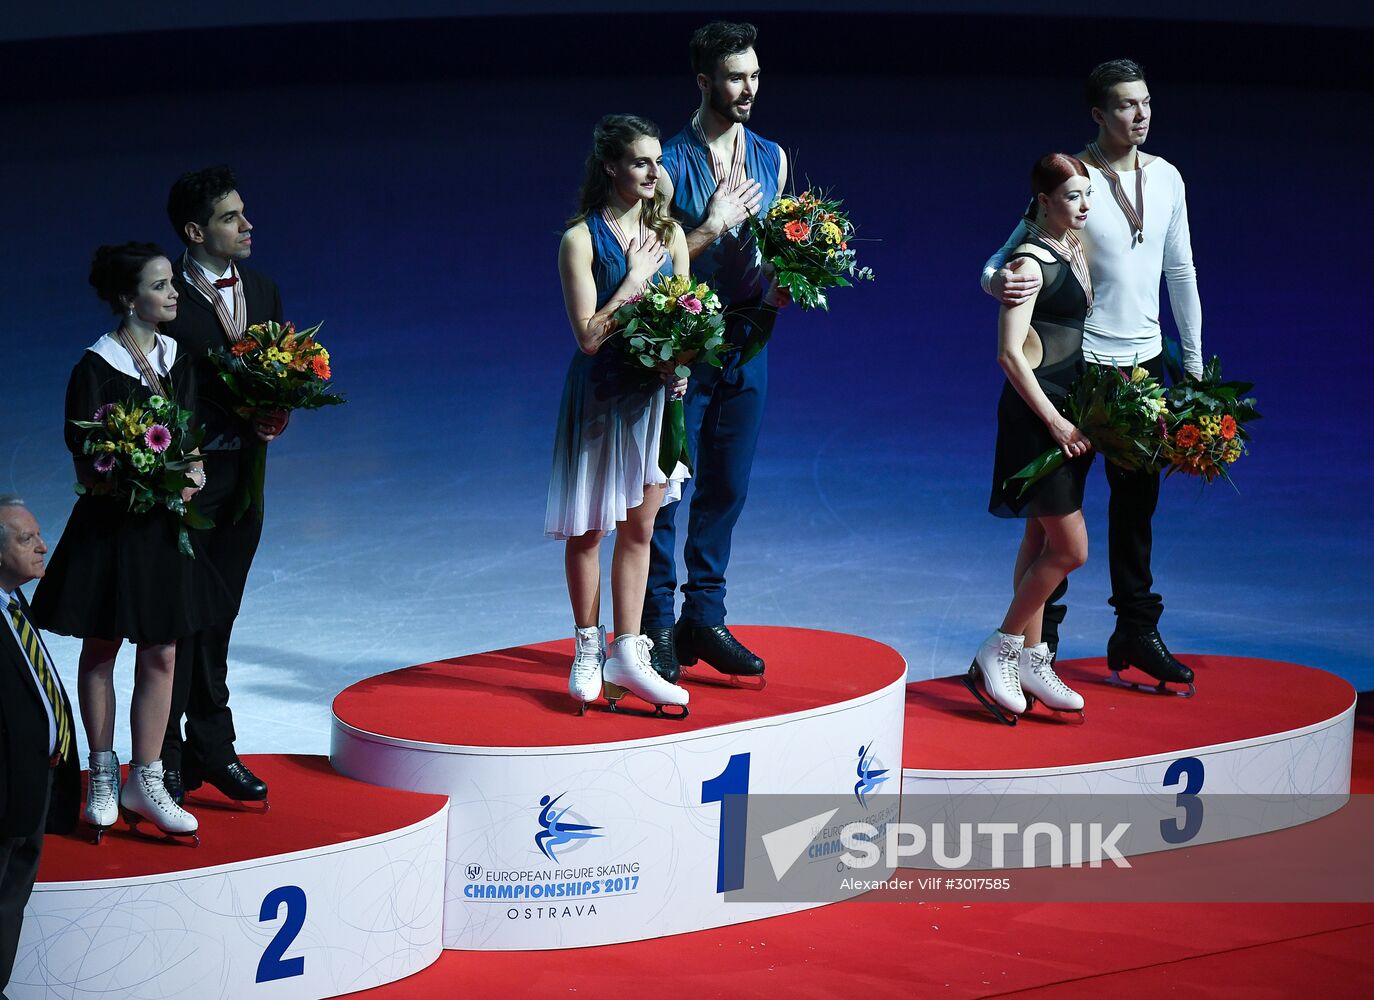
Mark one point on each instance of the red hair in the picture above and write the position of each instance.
(1050, 171)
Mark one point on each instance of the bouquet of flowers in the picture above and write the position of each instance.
(673, 324)
(140, 452)
(805, 237)
(1210, 430)
(273, 368)
(1126, 418)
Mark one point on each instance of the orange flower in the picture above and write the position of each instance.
(1228, 427)
(1187, 436)
(245, 346)
(796, 230)
(321, 367)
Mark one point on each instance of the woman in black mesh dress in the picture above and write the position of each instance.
(1040, 347)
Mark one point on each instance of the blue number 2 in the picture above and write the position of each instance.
(272, 966)
(1190, 770)
(729, 788)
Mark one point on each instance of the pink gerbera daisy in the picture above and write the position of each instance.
(104, 463)
(691, 303)
(157, 438)
(103, 411)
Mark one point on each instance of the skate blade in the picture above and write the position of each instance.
(743, 681)
(1032, 701)
(997, 711)
(1162, 688)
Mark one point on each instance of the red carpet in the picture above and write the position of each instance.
(1239, 699)
(305, 814)
(914, 950)
(519, 697)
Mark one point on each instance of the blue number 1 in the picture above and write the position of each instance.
(729, 788)
(272, 966)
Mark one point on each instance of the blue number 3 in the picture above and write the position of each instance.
(272, 966)
(1190, 770)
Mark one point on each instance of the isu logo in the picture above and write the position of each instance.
(474, 872)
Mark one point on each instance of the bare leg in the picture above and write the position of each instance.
(95, 691)
(630, 562)
(582, 566)
(1032, 547)
(1065, 549)
(152, 700)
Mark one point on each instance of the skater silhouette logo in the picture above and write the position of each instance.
(871, 774)
(556, 831)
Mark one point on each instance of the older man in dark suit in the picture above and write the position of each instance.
(40, 782)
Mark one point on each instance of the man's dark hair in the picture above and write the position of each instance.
(193, 197)
(1107, 75)
(720, 40)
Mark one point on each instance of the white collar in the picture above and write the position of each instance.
(162, 356)
(229, 271)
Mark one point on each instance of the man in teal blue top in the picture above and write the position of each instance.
(717, 173)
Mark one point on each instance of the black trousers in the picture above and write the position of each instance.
(200, 689)
(18, 870)
(1130, 538)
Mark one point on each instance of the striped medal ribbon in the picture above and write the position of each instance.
(145, 367)
(1069, 250)
(737, 163)
(235, 325)
(1135, 214)
(33, 649)
(613, 224)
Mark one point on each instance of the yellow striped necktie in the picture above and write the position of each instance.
(33, 649)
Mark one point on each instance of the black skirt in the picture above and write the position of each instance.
(1021, 437)
(117, 575)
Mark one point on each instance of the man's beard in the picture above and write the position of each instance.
(726, 110)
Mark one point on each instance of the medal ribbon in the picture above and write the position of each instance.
(1135, 214)
(235, 325)
(1069, 250)
(737, 163)
(145, 367)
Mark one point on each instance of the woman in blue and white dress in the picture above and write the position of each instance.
(605, 457)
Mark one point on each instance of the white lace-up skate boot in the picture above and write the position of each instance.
(102, 792)
(997, 665)
(628, 666)
(589, 656)
(144, 796)
(1038, 680)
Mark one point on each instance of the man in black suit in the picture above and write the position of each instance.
(219, 301)
(40, 781)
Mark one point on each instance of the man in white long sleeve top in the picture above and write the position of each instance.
(1138, 236)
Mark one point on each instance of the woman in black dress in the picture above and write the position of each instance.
(118, 575)
(1040, 347)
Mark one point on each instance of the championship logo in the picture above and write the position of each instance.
(871, 774)
(555, 832)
